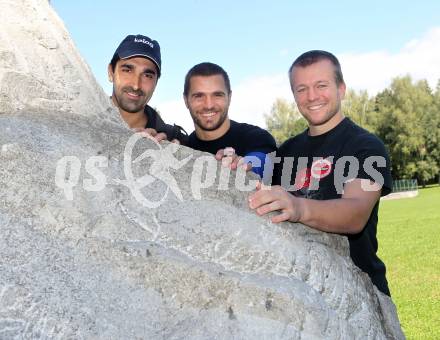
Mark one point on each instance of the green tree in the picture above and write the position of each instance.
(284, 120)
(360, 108)
(433, 138)
(406, 114)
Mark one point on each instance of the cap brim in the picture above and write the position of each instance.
(143, 56)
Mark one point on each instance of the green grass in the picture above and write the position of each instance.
(409, 244)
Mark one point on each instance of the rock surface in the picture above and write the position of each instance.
(105, 235)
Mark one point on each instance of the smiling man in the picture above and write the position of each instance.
(332, 174)
(134, 71)
(207, 94)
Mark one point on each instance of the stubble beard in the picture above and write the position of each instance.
(127, 105)
(210, 128)
(333, 111)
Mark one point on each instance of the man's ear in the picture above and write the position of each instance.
(110, 73)
(185, 99)
(342, 88)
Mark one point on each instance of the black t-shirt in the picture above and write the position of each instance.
(316, 167)
(246, 139)
(154, 121)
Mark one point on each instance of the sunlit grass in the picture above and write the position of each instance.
(409, 244)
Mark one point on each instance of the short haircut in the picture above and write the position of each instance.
(314, 56)
(205, 69)
(114, 61)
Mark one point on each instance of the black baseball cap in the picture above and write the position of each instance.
(139, 46)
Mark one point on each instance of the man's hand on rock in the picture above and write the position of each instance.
(158, 136)
(230, 159)
(276, 198)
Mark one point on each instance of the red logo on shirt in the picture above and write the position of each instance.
(302, 179)
(321, 168)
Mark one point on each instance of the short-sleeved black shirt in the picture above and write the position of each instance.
(318, 166)
(246, 139)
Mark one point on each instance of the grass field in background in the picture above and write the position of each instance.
(409, 244)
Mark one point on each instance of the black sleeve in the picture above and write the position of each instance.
(257, 146)
(257, 139)
(374, 162)
(172, 131)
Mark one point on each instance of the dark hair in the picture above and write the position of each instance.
(312, 57)
(114, 61)
(205, 69)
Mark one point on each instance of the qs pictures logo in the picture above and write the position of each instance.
(68, 171)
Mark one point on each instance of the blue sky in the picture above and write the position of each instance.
(255, 42)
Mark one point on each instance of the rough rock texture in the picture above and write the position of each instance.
(87, 251)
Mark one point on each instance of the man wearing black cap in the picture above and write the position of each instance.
(134, 71)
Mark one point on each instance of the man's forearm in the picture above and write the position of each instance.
(343, 215)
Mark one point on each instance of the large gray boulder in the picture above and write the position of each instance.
(107, 235)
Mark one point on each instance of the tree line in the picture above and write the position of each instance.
(405, 115)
